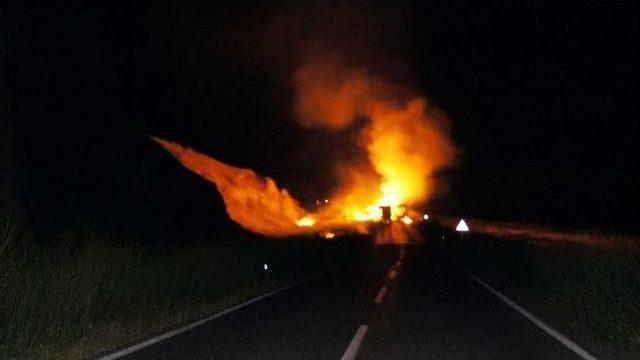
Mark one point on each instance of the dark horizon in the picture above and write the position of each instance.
(542, 100)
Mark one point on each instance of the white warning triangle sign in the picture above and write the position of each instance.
(462, 226)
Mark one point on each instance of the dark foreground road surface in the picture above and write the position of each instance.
(429, 309)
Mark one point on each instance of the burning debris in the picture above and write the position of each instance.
(327, 234)
(305, 221)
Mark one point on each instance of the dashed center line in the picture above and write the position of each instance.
(354, 346)
(393, 273)
(381, 294)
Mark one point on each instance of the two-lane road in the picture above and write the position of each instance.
(396, 302)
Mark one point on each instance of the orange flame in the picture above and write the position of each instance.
(254, 202)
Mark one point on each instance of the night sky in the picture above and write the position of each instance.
(543, 99)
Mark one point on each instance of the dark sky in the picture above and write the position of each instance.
(543, 99)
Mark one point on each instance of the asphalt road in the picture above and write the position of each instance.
(430, 309)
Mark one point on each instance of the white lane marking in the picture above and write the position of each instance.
(392, 274)
(354, 346)
(161, 337)
(541, 324)
(381, 294)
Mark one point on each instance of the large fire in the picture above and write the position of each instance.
(254, 202)
(405, 139)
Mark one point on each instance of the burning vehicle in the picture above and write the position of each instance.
(386, 213)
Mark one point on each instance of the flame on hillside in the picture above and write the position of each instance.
(254, 202)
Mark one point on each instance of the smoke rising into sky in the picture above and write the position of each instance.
(405, 137)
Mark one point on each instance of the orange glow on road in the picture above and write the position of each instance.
(406, 220)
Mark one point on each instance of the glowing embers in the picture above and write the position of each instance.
(406, 220)
(327, 234)
(306, 221)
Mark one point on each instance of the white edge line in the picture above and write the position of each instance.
(161, 337)
(381, 293)
(354, 346)
(541, 324)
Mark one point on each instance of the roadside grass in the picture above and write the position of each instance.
(592, 292)
(89, 291)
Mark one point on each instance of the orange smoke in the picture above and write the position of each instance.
(328, 96)
(406, 138)
(254, 202)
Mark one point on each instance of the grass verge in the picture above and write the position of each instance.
(88, 291)
(590, 292)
